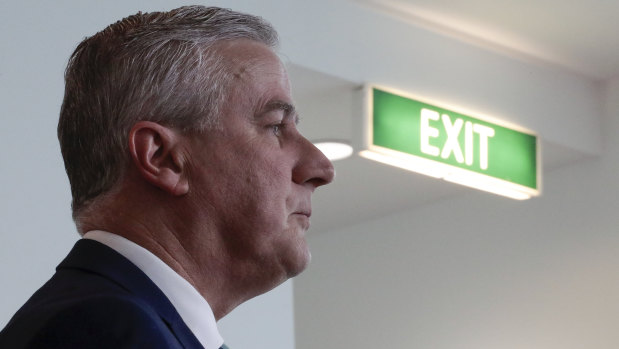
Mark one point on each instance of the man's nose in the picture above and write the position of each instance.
(312, 167)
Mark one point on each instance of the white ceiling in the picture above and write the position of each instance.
(576, 37)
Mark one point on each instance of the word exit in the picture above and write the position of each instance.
(431, 128)
(443, 143)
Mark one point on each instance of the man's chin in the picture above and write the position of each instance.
(299, 262)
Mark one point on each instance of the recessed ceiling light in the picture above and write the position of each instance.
(334, 149)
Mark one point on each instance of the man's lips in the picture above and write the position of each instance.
(303, 217)
(308, 213)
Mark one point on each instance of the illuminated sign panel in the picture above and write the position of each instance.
(444, 143)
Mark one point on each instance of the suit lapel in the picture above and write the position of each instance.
(95, 257)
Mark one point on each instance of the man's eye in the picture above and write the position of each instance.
(277, 129)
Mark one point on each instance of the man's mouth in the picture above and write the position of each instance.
(307, 213)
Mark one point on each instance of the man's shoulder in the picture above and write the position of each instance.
(83, 307)
(75, 287)
(105, 319)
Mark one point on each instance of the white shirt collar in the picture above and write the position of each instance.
(191, 306)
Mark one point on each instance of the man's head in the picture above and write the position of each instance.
(179, 132)
(162, 67)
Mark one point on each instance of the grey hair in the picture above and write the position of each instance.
(161, 67)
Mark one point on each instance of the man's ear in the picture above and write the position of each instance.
(157, 153)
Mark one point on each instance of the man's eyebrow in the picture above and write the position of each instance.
(288, 109)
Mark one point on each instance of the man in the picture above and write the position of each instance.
(191, 184)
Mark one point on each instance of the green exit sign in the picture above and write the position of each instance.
(444, 143)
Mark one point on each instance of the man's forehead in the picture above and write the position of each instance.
(259, 78)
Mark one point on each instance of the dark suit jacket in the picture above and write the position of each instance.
(97, 299)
